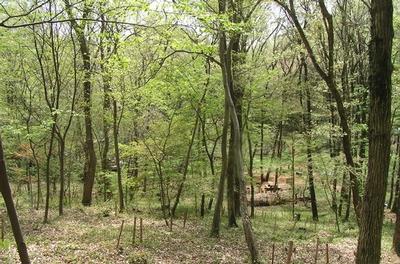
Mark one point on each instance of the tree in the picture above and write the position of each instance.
(12, 213)
(225, 54)
(328, 76)
(379, 128)
(90, 154)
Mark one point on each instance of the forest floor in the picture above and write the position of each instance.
(89, 235)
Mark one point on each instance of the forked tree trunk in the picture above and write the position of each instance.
(12, 213)
(380, 86)
(224, 54)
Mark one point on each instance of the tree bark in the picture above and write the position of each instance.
(380, 87)
(12, 213)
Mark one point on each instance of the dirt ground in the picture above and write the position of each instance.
(90, 236)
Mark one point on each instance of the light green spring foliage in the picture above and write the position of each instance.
(161, 57)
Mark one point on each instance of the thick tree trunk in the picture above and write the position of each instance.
(106, 78)
(90, 155)
(12, 213)
(380, 86)
(224, 54)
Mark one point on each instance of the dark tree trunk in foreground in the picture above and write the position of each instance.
(380, 86)
(12, 213)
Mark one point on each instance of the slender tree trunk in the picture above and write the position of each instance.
(380, 86)
(262, 148)
(396, 235)
(396, 189)
(251, 162)
(12, 213)
(117, 158)
(90, 154)
(185, 167)
(252, 154)
(314, 209)
(48, 161)
(61, 143)
(329, 77)
(230, 196)
(308, 129)
(392, 180)
(216, 223)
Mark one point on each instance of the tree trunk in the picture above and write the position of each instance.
(308, 129)
(185, 167)
(314, 209)
(48, 161)
(392, 180)
(12, 213)
(220, 194)
(90, 154)
(329, 77)
(230, 195)
(224, 54)
(106, 114)
(251, 163)
(396, 235)
(117, 158)
(61, 143)
(380, 87)
(396, 189)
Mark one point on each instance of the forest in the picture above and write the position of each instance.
(200, 131)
